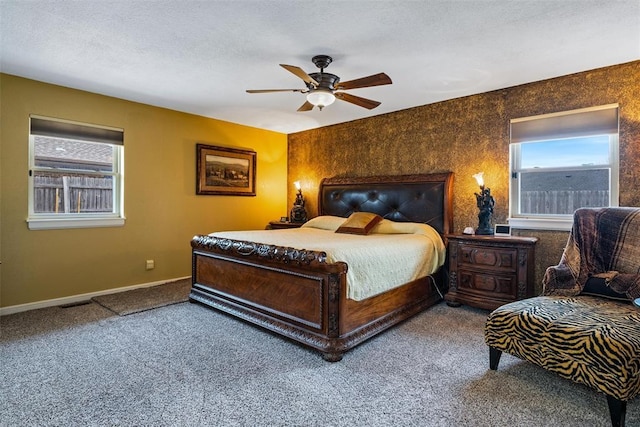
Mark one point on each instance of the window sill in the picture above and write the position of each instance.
(551, 224)
(63, 223)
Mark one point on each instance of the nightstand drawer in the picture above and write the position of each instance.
(498, 286)
(496, 259)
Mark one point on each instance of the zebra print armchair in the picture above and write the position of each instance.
(583, 327)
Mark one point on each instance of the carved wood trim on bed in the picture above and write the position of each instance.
(297, 294)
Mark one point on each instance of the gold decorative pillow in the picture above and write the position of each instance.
(359, 223)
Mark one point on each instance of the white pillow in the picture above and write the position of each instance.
(392, 227)
(325, 222)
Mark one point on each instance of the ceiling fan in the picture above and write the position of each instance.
(322, 88)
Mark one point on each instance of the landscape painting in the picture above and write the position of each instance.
(225, 171)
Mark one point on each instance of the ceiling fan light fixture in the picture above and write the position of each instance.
(321, 87)
(321, 98)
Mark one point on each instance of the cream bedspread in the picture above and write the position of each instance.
(391, 255)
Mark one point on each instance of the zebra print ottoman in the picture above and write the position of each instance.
(589, 340)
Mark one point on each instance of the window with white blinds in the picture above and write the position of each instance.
(75, 174)
(561, 162)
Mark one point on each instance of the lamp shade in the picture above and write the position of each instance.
(321, 98)
(479, 178)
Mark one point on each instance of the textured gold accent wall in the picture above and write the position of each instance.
(468, 135)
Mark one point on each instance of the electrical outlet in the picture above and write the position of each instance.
(151, 264)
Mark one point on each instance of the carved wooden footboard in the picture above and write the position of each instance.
(298, 294)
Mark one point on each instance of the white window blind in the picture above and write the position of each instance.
(569, 124)
(69, 130)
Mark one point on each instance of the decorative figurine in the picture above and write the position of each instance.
(298, 212)
(485, 204)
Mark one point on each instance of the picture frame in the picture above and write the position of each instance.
(225, 171)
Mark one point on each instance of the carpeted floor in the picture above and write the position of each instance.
(142, 299)
(187, 365)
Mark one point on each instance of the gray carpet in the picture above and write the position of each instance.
(187, 365)
(142, 299)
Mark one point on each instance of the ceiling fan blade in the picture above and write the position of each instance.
(307, 106)
(275, 90)
(374, 80)
(300, 73)
(362, 102)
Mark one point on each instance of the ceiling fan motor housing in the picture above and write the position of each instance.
(326, 81)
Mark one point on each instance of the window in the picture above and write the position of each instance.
(561, 162)
(75, 175)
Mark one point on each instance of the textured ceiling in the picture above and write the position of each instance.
(200, 56)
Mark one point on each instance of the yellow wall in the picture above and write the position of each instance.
(161, 207)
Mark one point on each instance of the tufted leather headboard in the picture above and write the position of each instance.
(423, 198)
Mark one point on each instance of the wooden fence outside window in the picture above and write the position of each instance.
(72, 194)
(562, 202)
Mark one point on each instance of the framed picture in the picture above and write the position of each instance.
(225, 171)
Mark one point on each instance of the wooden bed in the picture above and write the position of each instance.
(299, 295)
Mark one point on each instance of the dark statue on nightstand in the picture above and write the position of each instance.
(485, 204)
(298, 213)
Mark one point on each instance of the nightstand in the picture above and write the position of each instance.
(278, 225)
(489, 271)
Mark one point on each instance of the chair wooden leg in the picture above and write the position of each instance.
(617, 411)
(494, 358)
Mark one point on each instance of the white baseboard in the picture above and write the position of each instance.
(77, 298)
